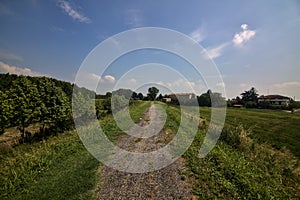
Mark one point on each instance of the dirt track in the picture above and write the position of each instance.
(166, 183)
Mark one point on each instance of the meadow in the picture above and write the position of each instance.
(239, 167)
(278, 128)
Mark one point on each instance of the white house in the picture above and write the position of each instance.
(275, 99)
(182, 96)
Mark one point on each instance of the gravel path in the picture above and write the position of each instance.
(165, 183)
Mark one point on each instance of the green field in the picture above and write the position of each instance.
(239, 167)
(275, 127)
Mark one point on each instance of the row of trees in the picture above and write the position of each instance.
(249, 99)
(35, 100)
(204, 99)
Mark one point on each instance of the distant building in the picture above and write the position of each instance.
(182, 96)
(236, 105)
(275, 99)
(166, 100)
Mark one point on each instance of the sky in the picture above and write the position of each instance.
(252, 43)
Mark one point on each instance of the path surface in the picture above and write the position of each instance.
(165, 183)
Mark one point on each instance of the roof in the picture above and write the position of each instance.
(181, 94)
(276, 96)
(237, 105)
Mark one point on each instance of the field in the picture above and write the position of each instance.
(247, 162)
(275, 127)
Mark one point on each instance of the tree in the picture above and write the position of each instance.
(217, 100)
(140, 96)
(152, 92)
(134, 96)
(123, 92)
(108, 94)
(204, 99)
(250, 95)
(55, 107)
(160, 97)
(25, 98)
(5, 111)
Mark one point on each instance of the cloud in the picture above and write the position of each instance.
(6, 68)
(221, 84)
(110, 78)
(134, 18)
(197, 35)
(94, 77)
(287, 84)
(72, 12)
(133, 81)
(182, 86)
(214, 52)
(9, 56)
(245, 35)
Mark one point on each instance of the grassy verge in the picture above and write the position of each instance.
(239, 167)
(57, 168)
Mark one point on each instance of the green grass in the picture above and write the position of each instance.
(57, 168)
(52, 169)
(245, 170)
(137, 110)
(277, 128)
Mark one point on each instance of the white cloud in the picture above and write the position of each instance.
(183, 86)
(214, 52)
(5, 68)
(197, 35)
(133, 81)
(245, 35)
(9, 56)
(94, 76)
(221, 84)
(287, 84)
(244, 85)
(133, 18)
(110, 78)
(72, 12)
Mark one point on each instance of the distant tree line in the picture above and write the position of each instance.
(249, 99)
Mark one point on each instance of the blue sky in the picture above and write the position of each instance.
(253, 43)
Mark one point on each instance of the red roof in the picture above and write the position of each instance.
(237, 105)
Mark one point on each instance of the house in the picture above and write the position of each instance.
(182, 96)
(166, 100)
(236, 105)
(275, 99)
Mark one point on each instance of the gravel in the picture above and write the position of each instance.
(166, 183)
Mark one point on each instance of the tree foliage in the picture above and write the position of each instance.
(250, 95)
(34, 100)
(25, 97)
(5, 111)
(152, 93)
